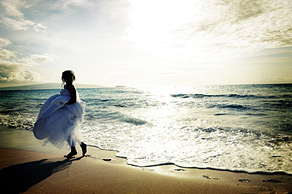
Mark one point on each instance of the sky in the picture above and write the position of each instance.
(146, 42)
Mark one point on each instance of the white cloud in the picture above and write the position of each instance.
(35, 60)
(15, 17)
(6, 54)
(41, 58)
(12, 7)
(40, 28)
(17, 24)
(65, 4)
(4, 42)
(250, 24)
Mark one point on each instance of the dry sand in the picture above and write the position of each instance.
(26, 166)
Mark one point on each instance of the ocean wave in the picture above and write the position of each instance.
(222, 148)
(18, 121)
(227, 96)
(230, 106)
(134, 121)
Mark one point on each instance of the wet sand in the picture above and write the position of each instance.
(26, 166)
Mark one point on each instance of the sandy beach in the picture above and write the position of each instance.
(28, 167)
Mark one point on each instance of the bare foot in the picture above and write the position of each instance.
(84, 148)
(72, 153)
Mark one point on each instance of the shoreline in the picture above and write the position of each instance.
(195, 167)
(19, 148)
(7, 129)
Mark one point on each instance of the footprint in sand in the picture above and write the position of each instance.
(106, 159)
(272, 181)
(92, 157)
(179, 169)
(210, 178)
(244, 180)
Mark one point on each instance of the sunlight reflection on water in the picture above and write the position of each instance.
(244, 127)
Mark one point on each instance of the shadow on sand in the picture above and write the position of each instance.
(19, 178)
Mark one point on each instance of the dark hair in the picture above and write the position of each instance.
(68, 76)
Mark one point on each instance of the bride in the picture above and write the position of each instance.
(60, 117)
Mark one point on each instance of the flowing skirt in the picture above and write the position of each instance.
(58, 122)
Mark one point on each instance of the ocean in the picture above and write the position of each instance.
(231, 127)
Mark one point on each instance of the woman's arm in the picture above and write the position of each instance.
(72, 91)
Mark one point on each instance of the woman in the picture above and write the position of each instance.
(60, 117)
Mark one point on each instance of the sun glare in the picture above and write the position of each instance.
(171, 30)
(153, 23)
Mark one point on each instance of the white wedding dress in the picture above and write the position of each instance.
(59, 122)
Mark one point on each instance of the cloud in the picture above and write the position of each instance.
(65, 4)
(35, 60)
(41, 58)
(40, 28)
(17, 72)
(6, 54)
(12, 7)
(17, 24)
(4, 42)
(249, 24)
(209, 31)
(14, 69)
(15, 17)
(242, 10)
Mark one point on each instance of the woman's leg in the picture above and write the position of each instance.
(71, 142)
(84, 148)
